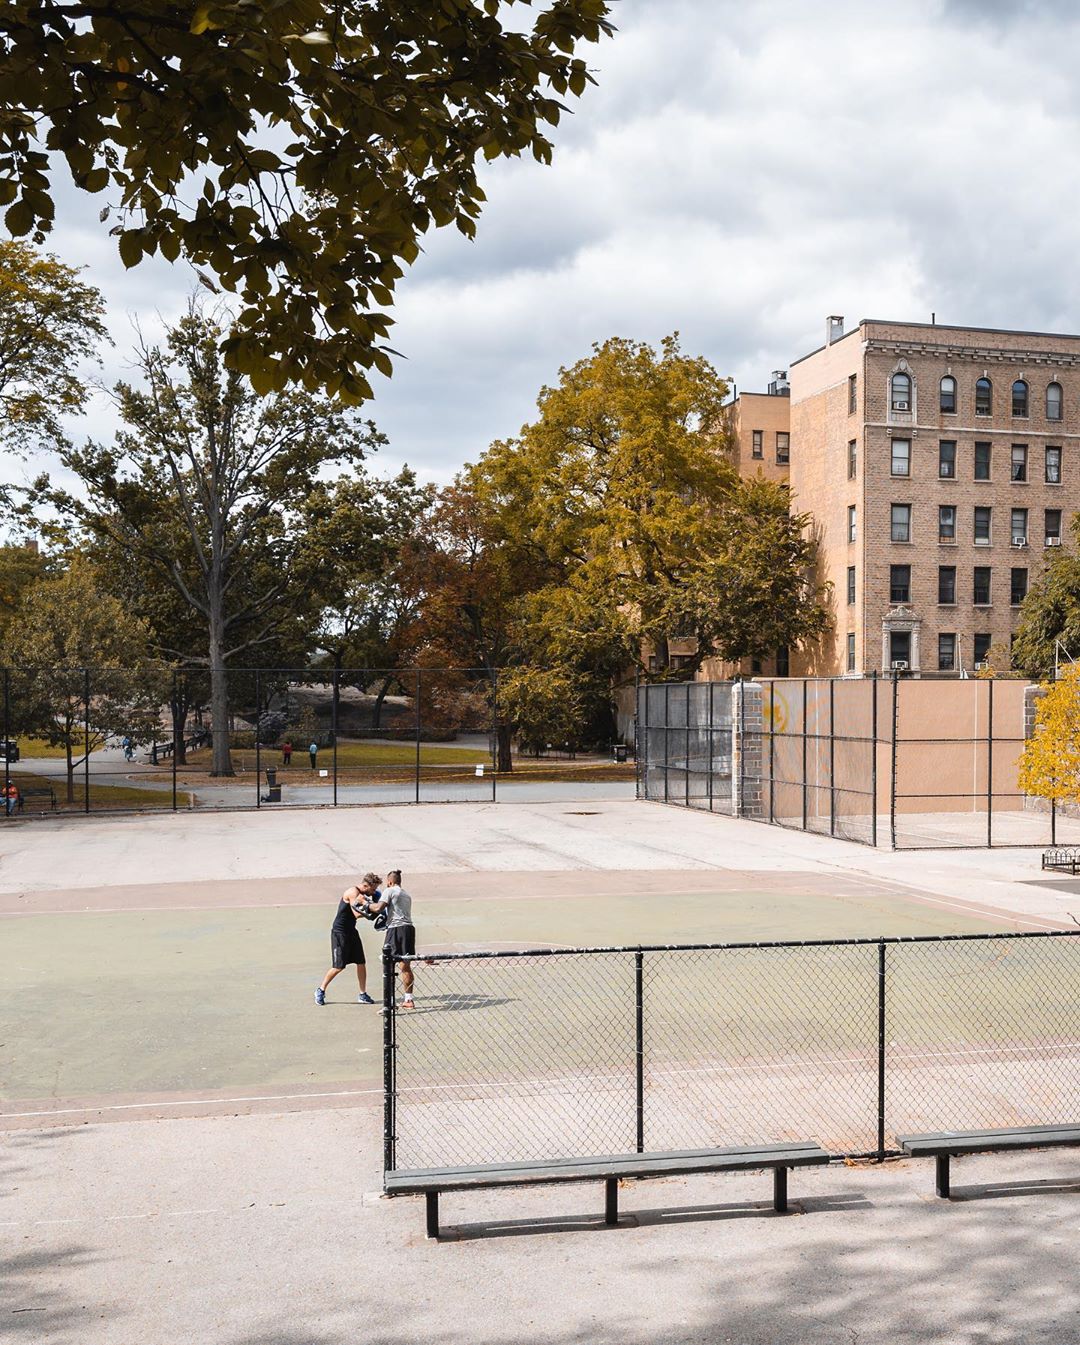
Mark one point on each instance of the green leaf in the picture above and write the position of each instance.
(131, 248)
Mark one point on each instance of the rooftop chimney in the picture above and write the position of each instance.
(834, 328)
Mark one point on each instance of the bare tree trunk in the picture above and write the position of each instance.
(376, 712)
(70, 768)
(504, 762)
(221, 763)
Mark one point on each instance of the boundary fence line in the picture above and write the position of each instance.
(537, 1053)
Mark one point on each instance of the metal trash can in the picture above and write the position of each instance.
(621, 751)
(273, 789)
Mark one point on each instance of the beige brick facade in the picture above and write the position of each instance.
(760, 427)
(844, 394)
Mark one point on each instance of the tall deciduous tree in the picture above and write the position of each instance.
(208, 484)
(1050, 614)
(299, 150)
(49, 321)
(69, 636)
(1050, 762)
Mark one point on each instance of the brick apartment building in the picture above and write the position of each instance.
(941, 466)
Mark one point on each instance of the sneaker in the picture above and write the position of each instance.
(320, 995)
(407, 1002)
(365, 998)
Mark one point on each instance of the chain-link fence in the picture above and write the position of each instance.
(911, 763)
(92, 740)
(527, 1056)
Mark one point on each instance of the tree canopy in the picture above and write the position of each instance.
(1050, 613)
(297, 150)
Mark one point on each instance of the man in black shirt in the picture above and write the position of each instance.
(345, 943)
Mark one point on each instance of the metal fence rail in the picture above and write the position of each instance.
(538, 1054)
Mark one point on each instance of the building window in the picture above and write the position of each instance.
(783, 662)
(901, 522)
(946, 522)
(851, 649)
(901, 457)
(981, 586)
(947, 398)
(1017, 587)
(984, 397)
(981, 648)
(1018, 471)
(946, 463)
(899, 583)
(852, 384)
(1018, 530)
(900, 647)
(783, 446)
(982, 525)
(900, 392)
(982, 462)
(1019, 398)
(759, 438)
(852, 460)
(946, 652)
(1053, 465)
(1052, 527)
(946, 585)
(851, 523)
(1053, 401)
(851, 585)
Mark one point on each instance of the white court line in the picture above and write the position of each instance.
(186, 1102)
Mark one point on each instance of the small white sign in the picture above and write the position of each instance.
(479, 770)
(323, 775)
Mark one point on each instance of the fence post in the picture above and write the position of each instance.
(667, 737)
(86, 740)
(334, 725)
(772, 748)
(641, 737)
(419, 687)
(873, 764)
(389, 1081)
(892, 771)
(805, 784)
(637, 729)
(495, 733)
(832, 757)
(990, 763)
(8, 812)
(176, 745)
(881, 1054)
(639, 1046)
(258, 745)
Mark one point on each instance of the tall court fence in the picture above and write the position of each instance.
(564, 1053)
(894, 762)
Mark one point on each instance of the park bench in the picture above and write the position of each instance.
(949, 1143)
(37, 791)
(430, 1182)
(1064, 860)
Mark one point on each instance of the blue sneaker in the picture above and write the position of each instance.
(320, 995)
(365, 998)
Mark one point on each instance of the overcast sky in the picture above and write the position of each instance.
(743, 169)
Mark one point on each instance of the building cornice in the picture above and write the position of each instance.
(976, 354)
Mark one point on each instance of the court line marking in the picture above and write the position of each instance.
(186, 1102)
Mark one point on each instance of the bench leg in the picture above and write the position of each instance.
(941, 1175)
(780, 1190)
(431, 1201)
(611, 1201)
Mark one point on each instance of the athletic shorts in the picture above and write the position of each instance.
(345, 948)
(401, 942)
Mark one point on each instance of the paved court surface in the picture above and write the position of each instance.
(193, 1148)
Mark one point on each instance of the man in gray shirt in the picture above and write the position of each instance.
(400, 932)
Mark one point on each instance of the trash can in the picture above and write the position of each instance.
(273, 789)
(620, 752)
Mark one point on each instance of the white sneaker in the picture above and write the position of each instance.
(407, 1002)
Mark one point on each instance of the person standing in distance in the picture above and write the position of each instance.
(345, 943)
(313, 752)
(400, 931)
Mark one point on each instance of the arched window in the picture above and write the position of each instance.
(1020, 398)
(984, 397)
(948, 394)
(901, 392)
(1053, 401)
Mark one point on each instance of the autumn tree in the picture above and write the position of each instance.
(70, 635)
(299, 151)
(49, 321)
(1050, 614)
(1050, 762)
(21, 567)
(207, 484)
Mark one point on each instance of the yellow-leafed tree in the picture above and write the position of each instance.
(1050, 763)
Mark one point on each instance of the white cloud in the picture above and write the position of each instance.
(742, 170)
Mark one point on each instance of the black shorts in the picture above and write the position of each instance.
(400, 942)
(345, 947)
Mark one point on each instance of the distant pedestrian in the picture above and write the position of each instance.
(129, 750)
(345, 943)
(313, 752)
(400, 931)
(286, 752)
(11, 797)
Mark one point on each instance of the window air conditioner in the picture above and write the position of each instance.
(1053, 541)
(982, 666)
(899, 665)
(1019, 541)
(901, 406)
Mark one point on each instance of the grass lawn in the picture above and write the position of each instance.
(101, 796)
(354, 756)
(38, 747)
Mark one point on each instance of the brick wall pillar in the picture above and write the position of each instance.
(1032, 696)
(747, 745)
